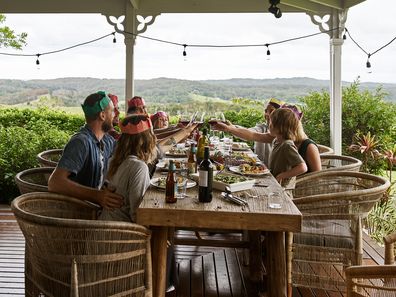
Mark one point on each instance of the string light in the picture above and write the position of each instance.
(344, 35)
(369, 55)
(268, 51)
(368, 64)
(346, 32)
(184, 50)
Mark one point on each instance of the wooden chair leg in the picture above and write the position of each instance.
(289, 258)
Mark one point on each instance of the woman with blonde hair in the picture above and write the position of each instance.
(285, 162)
(128, 173)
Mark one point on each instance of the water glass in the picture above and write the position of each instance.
(181, 181)
(275, 200)
(227, 146)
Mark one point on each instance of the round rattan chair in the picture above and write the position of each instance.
(374, 280)
(333, 204)
(33, 179)
(336, 163)
(69, 253)
(325, 150)
(49, 158)
(340, 163)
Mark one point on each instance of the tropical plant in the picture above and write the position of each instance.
(390, 157)
(8, 38)
(367, 146)
(381, 220)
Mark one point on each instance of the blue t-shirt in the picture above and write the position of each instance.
(87, 158)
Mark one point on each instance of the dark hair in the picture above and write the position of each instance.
(91, 100)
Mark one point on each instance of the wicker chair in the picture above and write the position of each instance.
(374, 280)
(336, 163)
(49, 158)
(325, 150)
(33, 179)
(333, 204)
(68, 253)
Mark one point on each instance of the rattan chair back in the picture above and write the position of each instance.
(49, 158)
(378, 281)
(336, 163)
(325, 150)
(333, 204)
(69, 253)
(33, 179)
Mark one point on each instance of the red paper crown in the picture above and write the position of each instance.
(159, 114)
(135, 124)
(136, 102)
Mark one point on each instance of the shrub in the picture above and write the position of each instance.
(23, 134)
(363, 112)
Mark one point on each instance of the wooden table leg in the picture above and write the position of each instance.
(159, 247)
(276, 262)
(255, 265)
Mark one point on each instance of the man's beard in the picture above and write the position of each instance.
(106, 126)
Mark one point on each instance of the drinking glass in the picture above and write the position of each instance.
(275, 200)
(181, 181)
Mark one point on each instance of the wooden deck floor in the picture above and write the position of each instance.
(203, 271)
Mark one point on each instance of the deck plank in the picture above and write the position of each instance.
(203, 271)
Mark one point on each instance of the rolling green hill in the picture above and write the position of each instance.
(72, 91)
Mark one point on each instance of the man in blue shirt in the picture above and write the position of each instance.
(83, 166)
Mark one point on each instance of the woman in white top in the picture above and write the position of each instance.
(128, 171)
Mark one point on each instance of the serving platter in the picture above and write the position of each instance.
(232, 181)
(250, 170)
(160, 183)
(240, 146)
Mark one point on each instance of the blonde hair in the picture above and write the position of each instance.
(300, 136)
(142, 145)
(285, 121)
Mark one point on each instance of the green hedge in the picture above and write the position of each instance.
(23, 134)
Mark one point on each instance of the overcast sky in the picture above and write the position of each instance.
(372, 24)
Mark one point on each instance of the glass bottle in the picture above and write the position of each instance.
(192, 160)
(202, 142)
(170, 186)
(205, 178)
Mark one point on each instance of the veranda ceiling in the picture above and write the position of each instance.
(147, 7)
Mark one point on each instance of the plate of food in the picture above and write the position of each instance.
(164, 164)
(160, 182)
(233, 181)
(237, 158)
(240, 146)
(177, 152)
(250, 170)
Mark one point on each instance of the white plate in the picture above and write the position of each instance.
(240, 146)
(236, 169)
(154, 182)
(164, 164)
(176, 154)
(234, 187)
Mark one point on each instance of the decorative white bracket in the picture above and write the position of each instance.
(327, 21)
(141, 23)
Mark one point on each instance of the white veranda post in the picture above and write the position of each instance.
(334, 21)
(130, 24)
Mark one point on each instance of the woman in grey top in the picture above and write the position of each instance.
(128, 171)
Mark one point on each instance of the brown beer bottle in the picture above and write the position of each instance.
(170, 196)
(192, 160)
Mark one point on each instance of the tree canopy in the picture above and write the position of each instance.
(8, 38)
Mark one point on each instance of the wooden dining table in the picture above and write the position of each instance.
(255, 217)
